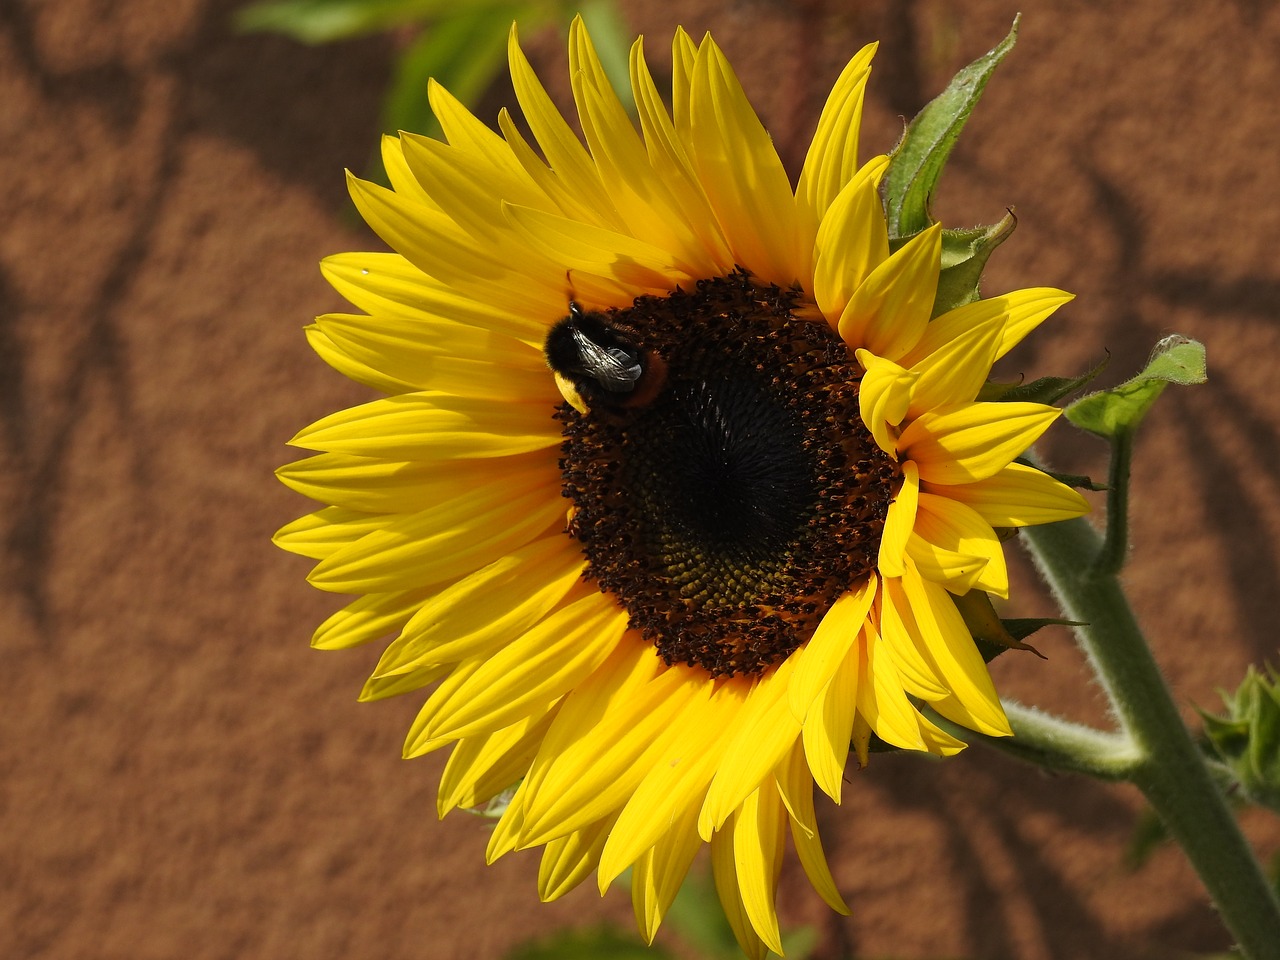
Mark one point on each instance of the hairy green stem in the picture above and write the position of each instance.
(1049, 741)
(1169, 768)
(1115, 546)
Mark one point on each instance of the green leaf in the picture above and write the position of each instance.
(599, 943)
(1109, 413)
(964, 257)
(1044, 390)
(323, 21)
(1247, 738)
(919, 158)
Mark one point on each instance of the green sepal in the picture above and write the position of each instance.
(921, 154)
(1247, 737)
(964, 257)
(1045, 390)
(1110, 413)
(992, 634)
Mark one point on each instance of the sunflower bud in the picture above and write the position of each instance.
(1247, 737)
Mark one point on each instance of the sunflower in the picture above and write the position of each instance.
(675, 480)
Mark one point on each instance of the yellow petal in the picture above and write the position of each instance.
(852, 240)
(949, 525)
(827, 732)
(741, 172)
(388, 285)
(528, 674)
(349, 367)
(724, 868)
(795, 784)
(888, 313)
(1022, 311)
(676, 782)
(956, 371)
(973, 441)
(565, 154)
(900, 635)
(766, 729)
(956, 660)
(661, 870)
(427, 426)
(489, 607)
(819, 658)
(881, 700)
(757, 851)
(833, 153)
(441, 543)
(567, 861)
(884, 396)
(1018, 496)
(599, 776)
(899, 522)
(482, 766)
(326, 532)
(368, 618)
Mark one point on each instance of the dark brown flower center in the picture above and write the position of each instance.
(730, 509)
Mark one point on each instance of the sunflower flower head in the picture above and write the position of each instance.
(676, 477)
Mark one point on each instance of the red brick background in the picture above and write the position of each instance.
(180, 776)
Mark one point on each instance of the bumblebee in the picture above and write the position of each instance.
(601, 364)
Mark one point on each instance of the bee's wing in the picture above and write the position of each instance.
(612, 367)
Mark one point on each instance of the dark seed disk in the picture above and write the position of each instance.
(727, 515)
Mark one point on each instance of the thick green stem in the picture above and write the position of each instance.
(1170, 771)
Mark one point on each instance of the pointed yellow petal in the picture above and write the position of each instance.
(567, 861)
(1022, 311)
(388, 285)
(564, 153)
(948, 525)
(488, 608)
(609, 761)
(677, 782)
(724, 868)
(765, 731)
(740, 171)
(852, 240)
(956, 371)
(956, 660)
(795, 784)
(376, 688)
(374, 485)
(819, 658)
(899, 634)
(427, 426)
(883, 398)
(441, 543)
(827, 732)
(661, 870)
(757, 851)
(888, 313)
(938, 741)
(1018, 496)
(325, 532)
(881, 699)
(528, 674)
(368, 618)
(899, 522)
(503, 839)
(349, 367)
(973, 441)
(482, 766)
(833, 152)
